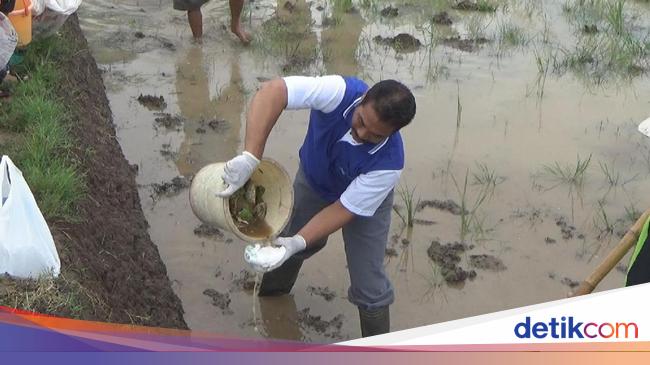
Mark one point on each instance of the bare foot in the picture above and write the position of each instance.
(239, 32)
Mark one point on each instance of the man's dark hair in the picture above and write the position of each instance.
(6, 6)
(392, 101)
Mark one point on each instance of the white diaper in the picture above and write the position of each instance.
(262, 258)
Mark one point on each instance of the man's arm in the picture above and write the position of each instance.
(265, 109)
(327, 221)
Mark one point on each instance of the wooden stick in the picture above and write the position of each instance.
(613, 258)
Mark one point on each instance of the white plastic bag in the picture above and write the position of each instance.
(49, 15)
(26, 246)
(38, 7)
(65, 7)
(8, 40)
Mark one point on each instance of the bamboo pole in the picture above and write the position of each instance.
(617, 253)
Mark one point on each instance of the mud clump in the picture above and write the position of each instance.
(590, 29)
(171, 188)
(442, 18)
(391, 252)
(389, 12)
(447, 257)
(570, 282)
(152, 102)
(423, 222)
(169, 121)
(549, 240)
(245, 280)
(218, 125)
(445, 205)
(208, 230)
(466, 45)
(487, 262)
(473, 6)
(219, 300)
(326, 293)
(403, 42)
(568, 231)
(167, 152)
(330, 328)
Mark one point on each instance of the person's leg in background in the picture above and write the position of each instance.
(194, 15)
(236, 7)
(195, 18)
(306, 204)
(370, 289)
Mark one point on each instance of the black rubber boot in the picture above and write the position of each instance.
(281, 280)
(375, 321)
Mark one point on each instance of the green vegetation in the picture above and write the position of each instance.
(608, 42)
(40, 119)
(410, 205)
(470, 221)
(573, 176)
(42, 147)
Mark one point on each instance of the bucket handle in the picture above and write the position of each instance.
(26, 10)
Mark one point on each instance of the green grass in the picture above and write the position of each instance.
(42, 122)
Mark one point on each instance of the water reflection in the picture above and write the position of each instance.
(280, 317)
(211, 124)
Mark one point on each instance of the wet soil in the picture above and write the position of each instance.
(109, 251)
(245, 280)
(447, 257)
(466, 45)
(487, 262)
(219, 300)
(171, 188)
(471, 6)
(168, 121)
(402, 43)
(331, 328)
(326, 293)
(442, 18)
(444, 205)
(207, 230)
(389, 12)
(152, 102)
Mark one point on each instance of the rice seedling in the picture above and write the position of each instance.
(469, 220)
(487, 178)
(407, 196)
(459, 108)
(613, 177)
(573, 176)
(510, 35)
(602, 222)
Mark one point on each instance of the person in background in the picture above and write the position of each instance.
(195, 17)
(6, 6)
(350, 161)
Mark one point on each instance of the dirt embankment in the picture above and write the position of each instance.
(109, 252)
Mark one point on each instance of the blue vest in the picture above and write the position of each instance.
(329, 164)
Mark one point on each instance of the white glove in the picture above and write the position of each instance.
(237, 172)
(264, 259)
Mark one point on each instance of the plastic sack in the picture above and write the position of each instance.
(26, 246)
(8, 40)
(49, 15)
(38, 7)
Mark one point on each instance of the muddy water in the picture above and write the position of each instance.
(491, 108)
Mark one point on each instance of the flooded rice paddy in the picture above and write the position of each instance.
(523, 164)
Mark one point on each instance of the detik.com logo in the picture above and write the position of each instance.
(568, 327)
